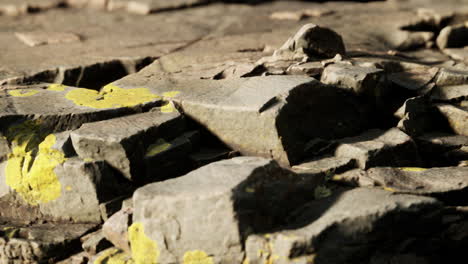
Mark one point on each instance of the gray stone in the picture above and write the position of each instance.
(22, 7)
(109, 208)
(327, 165)
(360, 80)
(288, 112)
(457, 117)
(115, 229)
(447, 93)
(449, 77)
(41, 243)
(207, 155)
(214, 208)
(312, 40)
(122, 141)
(341, 227)
(418, 116)
(414, 79)
(94, 242)
(144, 7)
(34, 39)
(441, 149)
(453, 37)
(313, 69)
(380, 148)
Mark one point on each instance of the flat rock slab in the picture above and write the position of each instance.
(40, 243)
(457, 117)
(214, 208)
(123, 141)
(413, 180)
(284, 111)
(380, 148)
(438, 149)
(337, 228)
(45, 38)
(144, 7)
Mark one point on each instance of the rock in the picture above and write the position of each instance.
(115, 229)
(233, 110)
(449, 77)
(460, 54)
(360, 80)
(414, 79)
(342, 227)
(327, 165)
(225, 200)
(208, 155)
(379, 148)
(95, 242)
(457, 117)
(299, 15)
(448, 93)
(453, 37)
(441, 149)
(313, 69)
(414, 180)
(42, 243)
(111, 207)
(22, 7)
(418, 116)
(33, 39)
(144, 7)
(80, 258)
(406, 40)
(124, 149)
(312, 40)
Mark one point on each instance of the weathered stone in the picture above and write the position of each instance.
(312, 40)
(94, 242)
(167, 159)
(21, 7)
(207, 155)
(144, 7)
(406, 40)
(414, 79)
(111, 207)
(380, 148)
(124, 149)
(282, 114)
(115, 229)
(447, 93)
(453, 37)
(457, 53)
(33, 39)
(418, 117)
(214, 208)
(342, 227)
(414, 180)
(327, 165)
(299, 15)
(441, 149)
(313, 69)
(457, 117)
(449, 77)
(361, 80)
(41, 243)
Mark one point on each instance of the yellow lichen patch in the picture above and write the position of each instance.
(171, 94)
(113, 256)
(389, 189)
(30, 169)
(110, 96)
(22, 93)
(412, 169)
(168, 108)
(56, 87)
(144, 250)
(10, 232)
(68, 188)
(246, 261)
(158, 147)
(250, 190)
(197, 257)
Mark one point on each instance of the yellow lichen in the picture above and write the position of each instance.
(22, 93)
(30, 168)
(168, 108)
(158, 147)
(171, 94)
(68, 188)
(197, 257)
(10, 232)
(250, 190)
(110, 96)
(113, 256)
(144, 250)
(246, 261)
(56, 87)
(412, 169)
(389, 189)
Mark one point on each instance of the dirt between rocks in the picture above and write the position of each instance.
(233, 132)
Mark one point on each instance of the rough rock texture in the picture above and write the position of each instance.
(238, 193)
(350, 219)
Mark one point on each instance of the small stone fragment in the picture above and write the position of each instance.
(361, 80)
(449, 77)
(312, 69)
(327, 165)
(34, 39)
(312, 41)
(95, 242)
(115, 229)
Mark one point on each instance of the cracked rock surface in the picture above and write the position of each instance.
(233, 132)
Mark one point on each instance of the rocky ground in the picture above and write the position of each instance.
(203, 132)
